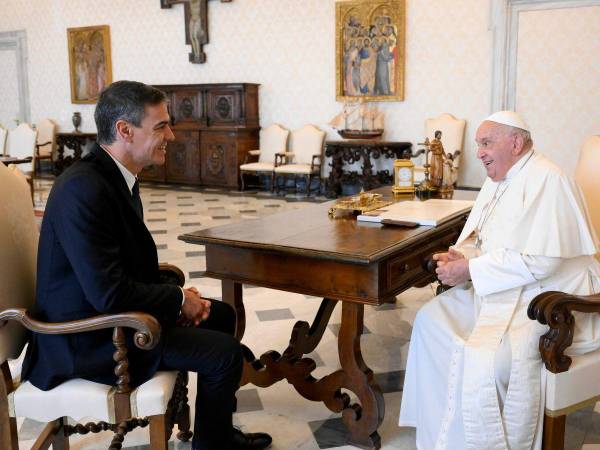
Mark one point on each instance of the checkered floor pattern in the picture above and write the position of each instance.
(294, 423)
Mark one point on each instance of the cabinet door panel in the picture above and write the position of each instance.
(186, 106)
(218, 159)
(153, 173)
(224, 106)
(183, 158)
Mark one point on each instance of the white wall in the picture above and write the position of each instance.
(285, 45)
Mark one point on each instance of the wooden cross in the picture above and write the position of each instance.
(196, 25)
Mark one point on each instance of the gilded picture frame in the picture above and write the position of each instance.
(90, 68)
(370, 50)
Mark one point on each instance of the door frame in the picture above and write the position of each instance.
(17, 41)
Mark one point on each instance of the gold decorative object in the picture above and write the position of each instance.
(404, 177)
(363, 202)
(369, 48)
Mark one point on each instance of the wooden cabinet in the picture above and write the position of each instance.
(215, 125)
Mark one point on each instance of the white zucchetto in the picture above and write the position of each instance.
(509, 118)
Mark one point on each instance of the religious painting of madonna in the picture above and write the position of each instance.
(89, 62)
(370, 50)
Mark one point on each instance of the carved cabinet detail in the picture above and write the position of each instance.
(215, 125)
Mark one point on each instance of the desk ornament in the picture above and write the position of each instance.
(359, 120)
(404, 177)
(434, 164)
(363, 202)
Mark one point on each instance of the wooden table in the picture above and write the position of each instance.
(6, 160)
(341, 260)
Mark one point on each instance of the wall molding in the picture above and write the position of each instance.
(505, 28)
(17, 42)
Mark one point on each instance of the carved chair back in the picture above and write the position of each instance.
(586, 174)
(273, 139)
(21, 143)
(3, 134)
(453, 133)
(46, 133)
(18, 257)
(306, 142)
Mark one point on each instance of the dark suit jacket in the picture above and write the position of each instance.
(95, 256)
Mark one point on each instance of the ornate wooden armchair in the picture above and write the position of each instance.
(306, 155)
(46, 142)
(572, 381)
(160, 402)
(273, 142)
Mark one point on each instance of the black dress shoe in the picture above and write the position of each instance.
(249, 441)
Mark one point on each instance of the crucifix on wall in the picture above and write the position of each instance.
(196, 25)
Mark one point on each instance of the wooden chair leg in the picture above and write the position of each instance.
(273, 178)
(8, 432)
(554, 433)
(242, 180)
(158, 432)
(61, 440)
(308, 185)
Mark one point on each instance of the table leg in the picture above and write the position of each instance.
(232, 295)
(361, 420)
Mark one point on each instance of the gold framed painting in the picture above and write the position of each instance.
(369, 48)
(90, 67)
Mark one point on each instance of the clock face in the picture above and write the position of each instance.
(404, 176)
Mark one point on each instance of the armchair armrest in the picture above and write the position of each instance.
(170, 274)
(429, 265)
(251, 156)
(315, 165)
(555, 310)
(280, 159)
(147, 327)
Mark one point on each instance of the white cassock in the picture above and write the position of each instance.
(473, 376)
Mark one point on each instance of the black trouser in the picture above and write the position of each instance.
(215, 355)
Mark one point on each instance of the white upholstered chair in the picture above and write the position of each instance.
(3, 134)
(114, 406)
(21, 144)
(273, 142)
(46, 142)
(572, 381)
(305, 156)
(453, 134)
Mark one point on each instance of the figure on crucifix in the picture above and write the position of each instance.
(196, 20)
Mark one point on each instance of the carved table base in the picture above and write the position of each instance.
(362, 420)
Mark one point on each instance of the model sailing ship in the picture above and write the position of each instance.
(359, 120)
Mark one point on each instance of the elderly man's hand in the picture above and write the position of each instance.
(452, 267)
(195, 309)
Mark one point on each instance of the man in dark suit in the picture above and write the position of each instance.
(97, 256)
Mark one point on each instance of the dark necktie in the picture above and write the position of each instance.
(137, 201)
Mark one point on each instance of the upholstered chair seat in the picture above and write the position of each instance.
(273, 143)
(305, 155)
(80, 399)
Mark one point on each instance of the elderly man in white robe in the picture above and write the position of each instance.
(474, 376)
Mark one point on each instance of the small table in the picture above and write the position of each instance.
(341, 260)
(6, 160)
(75, 141)
(351, 151)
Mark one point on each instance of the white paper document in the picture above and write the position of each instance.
(430, 212)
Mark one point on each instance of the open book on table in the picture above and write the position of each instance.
(430, 212)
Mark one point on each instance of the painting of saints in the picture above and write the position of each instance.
(89, 58)
(370, 49)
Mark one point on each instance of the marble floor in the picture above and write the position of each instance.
(294, 423)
